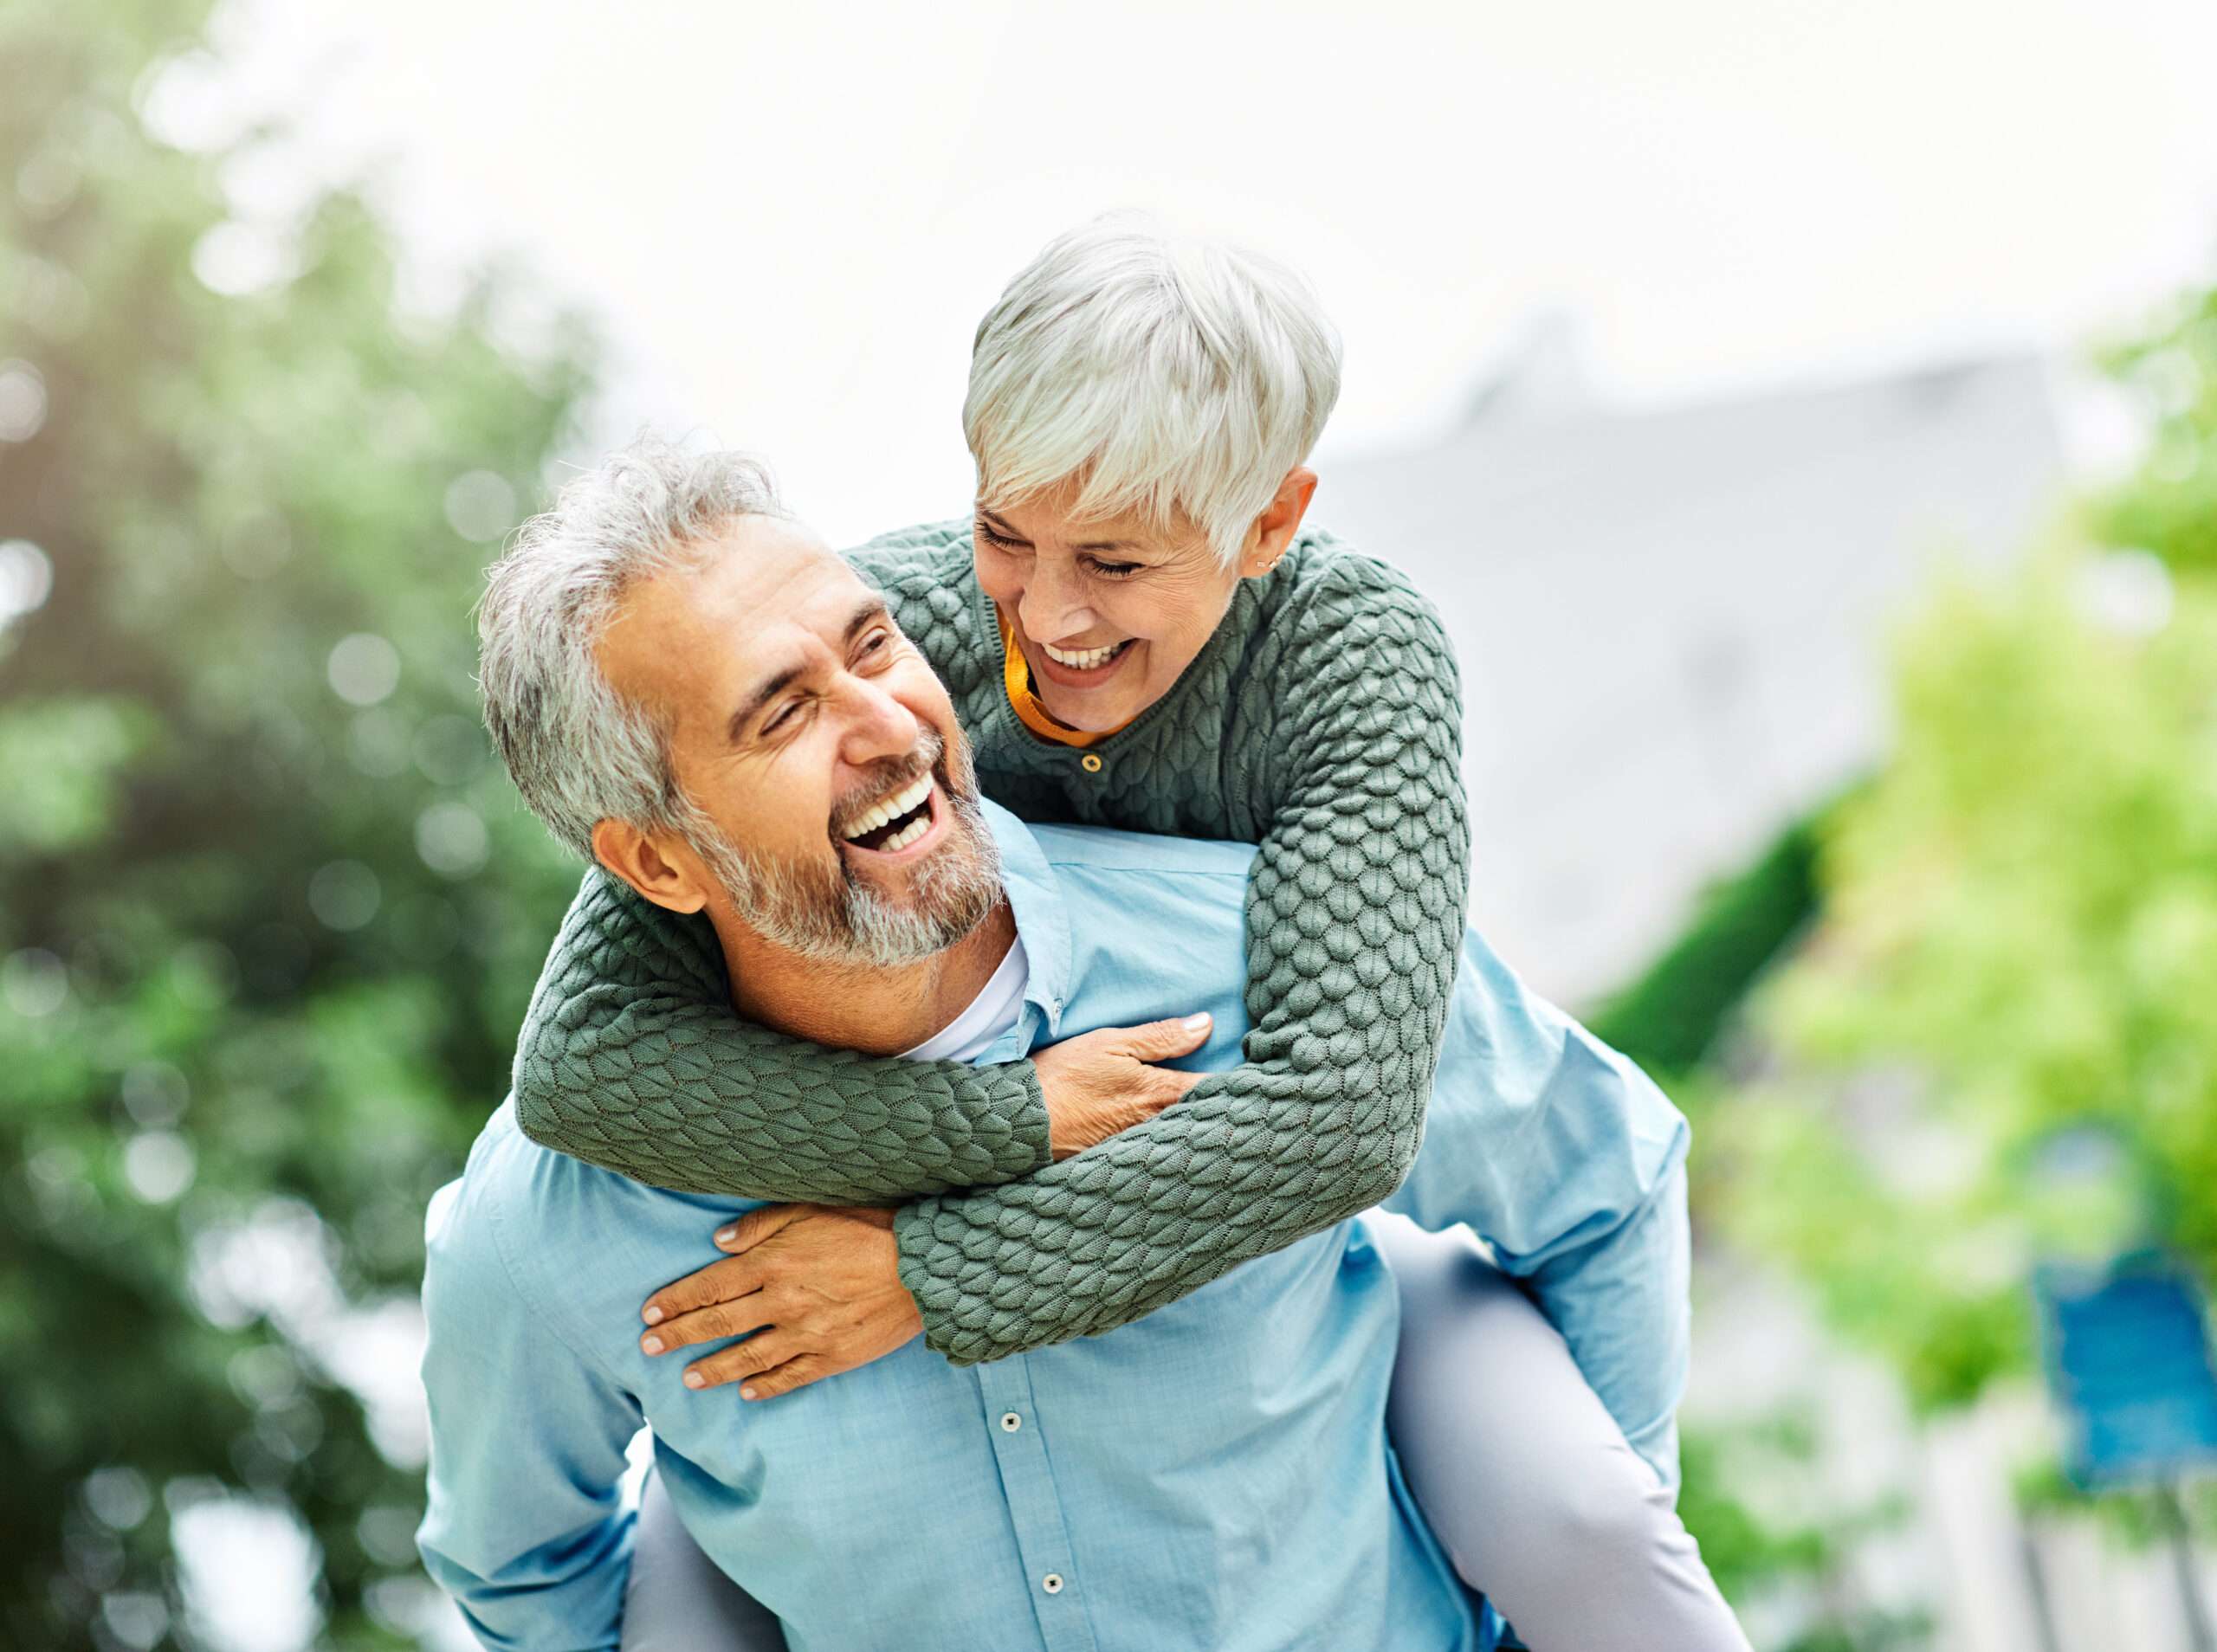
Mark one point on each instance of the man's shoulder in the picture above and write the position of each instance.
(464, 1215)
(1109, 853)
(519, 1208)
(463, 1254)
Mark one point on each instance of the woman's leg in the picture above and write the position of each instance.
(678, 1600)
(1525, 1478)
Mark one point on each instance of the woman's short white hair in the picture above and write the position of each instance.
(1179, 377)
(578, 750)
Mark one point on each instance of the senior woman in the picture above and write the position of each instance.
(1137, 630)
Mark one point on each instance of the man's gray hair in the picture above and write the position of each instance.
(577, 751)
(1175, 375)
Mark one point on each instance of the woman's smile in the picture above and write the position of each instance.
(1080, 668)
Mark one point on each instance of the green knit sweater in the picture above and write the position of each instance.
(1323, 721)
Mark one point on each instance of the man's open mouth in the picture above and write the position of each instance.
(895, 822)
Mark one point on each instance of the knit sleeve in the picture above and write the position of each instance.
(1355, 910)
(631, 1057)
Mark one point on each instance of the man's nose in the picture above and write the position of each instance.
(877, 724)
(1054, 605)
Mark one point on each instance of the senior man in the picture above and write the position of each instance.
(1216, 1474)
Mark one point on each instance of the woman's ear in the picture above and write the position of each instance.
(673, 880)
(1272, 534)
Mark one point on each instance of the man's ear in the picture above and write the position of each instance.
(1274, 529)
(665, 875)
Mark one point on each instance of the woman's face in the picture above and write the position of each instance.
(1110, 611)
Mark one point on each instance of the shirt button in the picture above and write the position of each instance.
(1053, 1583)
(1091, 763)
(1010, 1421)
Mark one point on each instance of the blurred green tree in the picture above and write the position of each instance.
(268, 913)
(2001, 1040)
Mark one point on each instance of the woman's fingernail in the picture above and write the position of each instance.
(746, 1393)
(652, 1344)
(724, 1235)
(1195, 1023)
(693, 1379)
(653, 1315)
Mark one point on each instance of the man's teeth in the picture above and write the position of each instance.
(892, 808)
(906, 835)
(1083, 659)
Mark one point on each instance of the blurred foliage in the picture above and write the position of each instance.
(1670, 1017)
(1791, 1550)
(2002, 1042)
(2169, 504)
(268, 912)
(2015, 976)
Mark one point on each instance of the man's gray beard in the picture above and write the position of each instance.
(829, 918)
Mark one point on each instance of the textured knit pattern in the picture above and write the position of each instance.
(1322, 721)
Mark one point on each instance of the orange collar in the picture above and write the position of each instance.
(1015, 676)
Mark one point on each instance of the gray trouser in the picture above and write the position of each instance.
(1522, 1474)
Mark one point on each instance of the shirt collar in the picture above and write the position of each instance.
(1042, 919)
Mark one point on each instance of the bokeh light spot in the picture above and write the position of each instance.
(48, 180)
(480, 506)
(364, 668)
(237, 260)
(377, 744)
(257, 544)
(117, 1497)
(136, 1617)
(158, 1164)
(344, 895)
(2128, 591)
(221, 1539)
(26, 578)
(33, 982)
(155, 1094)
(23, 401)
(191, 102)
(451, 839)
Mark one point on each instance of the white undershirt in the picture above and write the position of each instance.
(991, 1013)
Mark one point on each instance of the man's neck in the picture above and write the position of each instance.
(879, 1010)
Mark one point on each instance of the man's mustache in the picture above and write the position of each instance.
(889, 776)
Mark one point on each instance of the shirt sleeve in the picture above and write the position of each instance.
(524, 1526)
(1570, 1164)
(1354, 916)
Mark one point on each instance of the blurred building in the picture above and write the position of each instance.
(1671, 621)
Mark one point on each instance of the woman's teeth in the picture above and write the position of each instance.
(1084, 659)
(910, 797)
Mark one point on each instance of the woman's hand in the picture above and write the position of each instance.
(1102, 1081)
(818, 1286)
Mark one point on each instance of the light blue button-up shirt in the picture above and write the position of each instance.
(1214, 1476)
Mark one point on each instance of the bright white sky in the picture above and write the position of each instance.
(790, 216)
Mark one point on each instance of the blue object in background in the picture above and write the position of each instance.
(2127, 1349)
